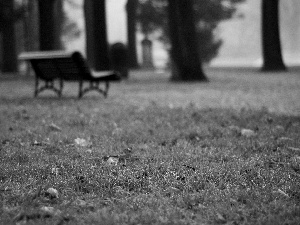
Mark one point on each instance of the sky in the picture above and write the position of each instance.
(241, 36)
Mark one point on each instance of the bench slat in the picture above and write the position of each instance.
(44, 55)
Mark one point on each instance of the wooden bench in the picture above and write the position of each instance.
(51, 66)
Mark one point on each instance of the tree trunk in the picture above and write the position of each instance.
(59, 20)
(47, 25)
(272, 57)
(185, 57)
(31, 30)
(131, 8)
(9, 55)
(96, 37)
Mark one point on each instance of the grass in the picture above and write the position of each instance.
(189, 163)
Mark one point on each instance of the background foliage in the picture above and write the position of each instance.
(152, 19)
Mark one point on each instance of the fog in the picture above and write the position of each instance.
(241, 35)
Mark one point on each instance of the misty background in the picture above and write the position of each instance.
(241, 35)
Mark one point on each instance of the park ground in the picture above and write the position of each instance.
(153, 152)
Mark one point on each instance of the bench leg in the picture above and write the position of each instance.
(36, 86)
(94, 85)
(48, 85)
(106, 89)
(61, 86)
(80, 89)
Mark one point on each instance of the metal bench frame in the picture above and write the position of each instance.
(51, 66)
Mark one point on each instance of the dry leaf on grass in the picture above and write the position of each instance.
(127, 151)
(89, 150)
(51, 193)
(51, 210)
(294, 149)
(247, 133)
(54, 127)
(234, 128)
(36, 143)
(111, 160)
(55, 171)
(282, 193)
(82, 142)
(122, 159)
(220, 218)
(285, 139)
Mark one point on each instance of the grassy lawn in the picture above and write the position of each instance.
(153, 152)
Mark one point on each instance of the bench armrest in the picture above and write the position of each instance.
(103, 73)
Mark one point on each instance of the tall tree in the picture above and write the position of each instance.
(185, 56)
(59, 23)
(152, 19)
(47, 25)
(272, 56)
(96, 34)
(8, 15)
(131, 8)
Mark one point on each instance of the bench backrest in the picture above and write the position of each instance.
(57, 64)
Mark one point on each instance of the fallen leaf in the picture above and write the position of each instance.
(143, 147)
(279, 128)
(282, 193)
(51, 193)
(5, 189)
(297, 159)
(233, 201)
(36, 143)
(119, 159)
(173, 190)
(171, 106)
(285, 139)
(80, 202)
(220, 218)
(234, 128)
(201, 206)
(112, 160)
(247, 133)
(54, 127)
(117, 131)
(294, 149)
(127, 151)
(55, 171)
(51, 210)
(82, 142)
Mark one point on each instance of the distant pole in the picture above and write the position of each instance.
(147, 53)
